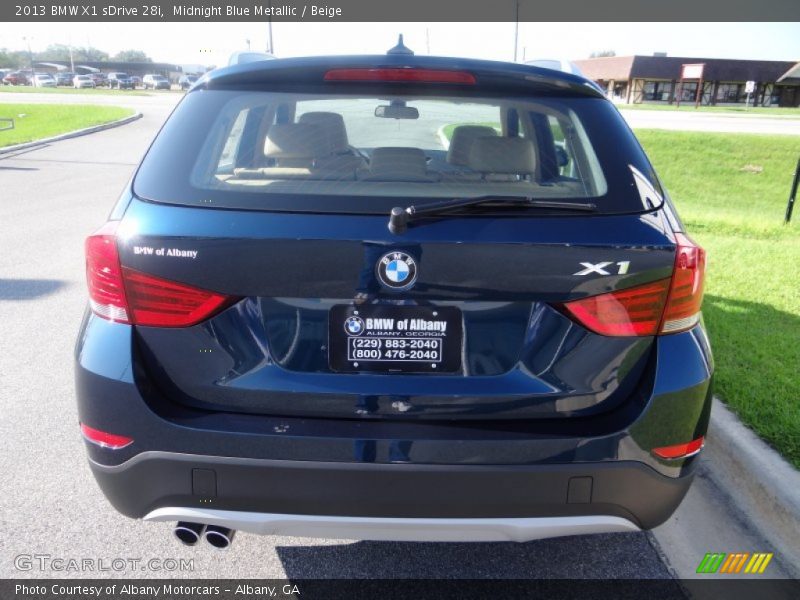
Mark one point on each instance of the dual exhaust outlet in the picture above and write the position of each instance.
(190, 533)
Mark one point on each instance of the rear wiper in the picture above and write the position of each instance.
(400, 217)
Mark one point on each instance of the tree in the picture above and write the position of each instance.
(60, 53)
(90, 54)
(132, 56)
(14, 59)
(600, 53)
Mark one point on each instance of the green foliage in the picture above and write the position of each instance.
(131, 56)
(37, 121)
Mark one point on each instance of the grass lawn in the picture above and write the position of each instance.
(27, 89)
(761, 111)
(46, 120)
(731, 191)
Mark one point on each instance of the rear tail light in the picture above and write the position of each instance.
(160, 303)
(635, 311)
(664, 306)
(105, 439)
(686, 292)
(104, 275)
(679, 451)
(409, 75)
(128, 296)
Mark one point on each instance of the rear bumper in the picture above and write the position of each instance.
(297, 475)
(398, 530)
(296, 495)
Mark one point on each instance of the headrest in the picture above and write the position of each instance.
(397, 164)
(297, 140)
(332, 123)
(461, 142)
(502, 155)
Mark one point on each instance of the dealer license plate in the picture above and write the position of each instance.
(389, 338)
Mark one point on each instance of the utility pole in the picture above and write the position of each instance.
(271, 47)
(71, 60)
(27, 39)
(516, 29)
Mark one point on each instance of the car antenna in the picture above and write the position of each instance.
(400, 48)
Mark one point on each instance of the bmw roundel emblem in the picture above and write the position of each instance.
(354, 325)
(397, 270)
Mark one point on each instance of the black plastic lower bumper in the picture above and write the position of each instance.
(627, 489)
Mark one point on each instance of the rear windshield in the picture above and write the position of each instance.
(344, 153)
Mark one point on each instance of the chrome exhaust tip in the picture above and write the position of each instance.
(189, 533)
(219, 537)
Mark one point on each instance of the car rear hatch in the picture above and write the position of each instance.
(508, 349)
(262, 278)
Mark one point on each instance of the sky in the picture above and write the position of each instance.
(212, 43)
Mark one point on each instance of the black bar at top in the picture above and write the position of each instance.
(398, 10)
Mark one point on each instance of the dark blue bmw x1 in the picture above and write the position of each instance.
(394, 298)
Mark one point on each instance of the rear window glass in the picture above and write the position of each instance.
(345, 153)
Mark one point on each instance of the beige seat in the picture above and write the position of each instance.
(333, 125)
(307, 146)
(397, 164)
(343, 156)
(296, 145)
(503, 158)
(461, 142)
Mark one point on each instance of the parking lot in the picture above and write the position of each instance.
(52, 197)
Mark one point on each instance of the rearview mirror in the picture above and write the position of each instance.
(394, 111)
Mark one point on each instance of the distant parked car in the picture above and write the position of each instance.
(120, 81)
(18, 78)
(156, 82)
(3, 73)
(83, 81)
(99, 79)
(187, 81)
(137, 81)
(64, 78)
(44, 80)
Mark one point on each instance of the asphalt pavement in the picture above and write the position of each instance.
(51, 198)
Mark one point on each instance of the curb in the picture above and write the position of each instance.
(761, 483)
(70, 134)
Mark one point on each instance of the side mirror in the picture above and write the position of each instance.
(394, 111)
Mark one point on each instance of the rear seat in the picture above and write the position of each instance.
(503, 158)
(301, 151)
(461, 142)
(332, 124)
(296, 145)
(397, 164)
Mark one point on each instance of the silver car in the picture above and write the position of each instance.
(43, 80)
(82, 81)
